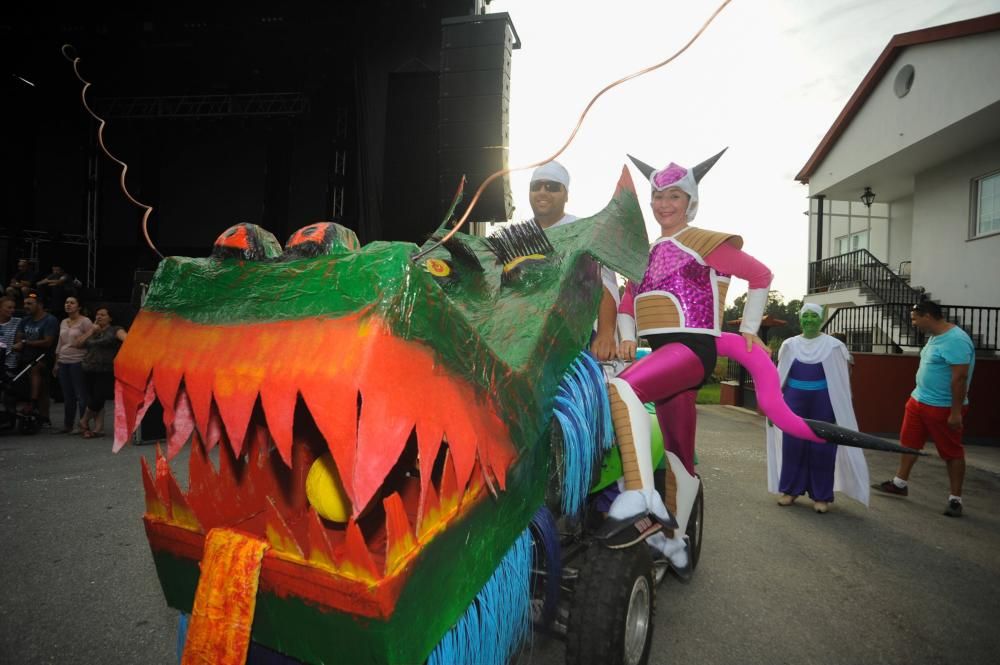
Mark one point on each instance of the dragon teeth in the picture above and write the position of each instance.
(235, 403)
(279, 411)
(181, 426)
(382, 436)
(400, 539)
(335, 412)
(279, 535)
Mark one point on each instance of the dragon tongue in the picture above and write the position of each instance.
(226, 599)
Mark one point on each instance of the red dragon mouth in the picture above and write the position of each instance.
(413, 444)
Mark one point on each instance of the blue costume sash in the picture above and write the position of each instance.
(799, 384)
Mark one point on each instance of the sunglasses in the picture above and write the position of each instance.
(547, 184)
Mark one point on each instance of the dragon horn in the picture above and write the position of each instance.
(700, 170)
(643, 167)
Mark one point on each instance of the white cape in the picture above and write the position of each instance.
(851, 470)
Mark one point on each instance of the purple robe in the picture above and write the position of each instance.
(807, 467)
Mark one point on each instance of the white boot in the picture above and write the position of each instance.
(674, 549)
(639, 432)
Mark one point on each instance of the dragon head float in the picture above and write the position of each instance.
(368, 433)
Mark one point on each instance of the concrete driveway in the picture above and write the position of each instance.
(897, 583)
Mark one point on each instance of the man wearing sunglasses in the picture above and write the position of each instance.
(549, 192)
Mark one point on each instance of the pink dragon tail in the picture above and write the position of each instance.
(765, 379)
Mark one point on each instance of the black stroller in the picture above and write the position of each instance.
(16, 412)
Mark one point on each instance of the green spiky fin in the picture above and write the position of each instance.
(615, 237)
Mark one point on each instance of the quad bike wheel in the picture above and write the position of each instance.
(695, 525)
(611, 612)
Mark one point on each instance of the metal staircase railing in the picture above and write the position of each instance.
(862, 268)
(886, 327)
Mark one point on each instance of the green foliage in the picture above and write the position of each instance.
(719, 373)
(777, 308)
(709, 394)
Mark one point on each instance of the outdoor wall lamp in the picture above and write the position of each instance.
(868, 197)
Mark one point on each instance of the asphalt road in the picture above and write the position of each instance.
(897, 583)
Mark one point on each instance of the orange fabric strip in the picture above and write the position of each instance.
(219, 632)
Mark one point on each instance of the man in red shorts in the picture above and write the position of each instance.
(937, 406)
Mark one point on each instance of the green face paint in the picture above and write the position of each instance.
(811, 323)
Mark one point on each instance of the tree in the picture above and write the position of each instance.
(777, 308)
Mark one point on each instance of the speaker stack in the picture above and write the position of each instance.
(474, 110)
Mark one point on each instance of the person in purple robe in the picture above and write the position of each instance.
(814, 370)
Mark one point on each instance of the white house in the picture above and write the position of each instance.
(921, 135)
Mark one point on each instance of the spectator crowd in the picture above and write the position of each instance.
(52, 349)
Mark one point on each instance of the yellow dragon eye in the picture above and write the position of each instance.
(437, 267)
(325, 490)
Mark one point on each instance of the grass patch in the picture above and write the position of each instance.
(709, 394)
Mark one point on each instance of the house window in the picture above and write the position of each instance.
(986, 205)
(851, 242)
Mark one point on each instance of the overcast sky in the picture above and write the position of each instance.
(767, 79)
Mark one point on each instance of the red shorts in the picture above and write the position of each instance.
(921, 421)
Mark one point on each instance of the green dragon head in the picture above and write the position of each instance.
(381, 424)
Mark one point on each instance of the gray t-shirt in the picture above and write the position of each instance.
(47, 326)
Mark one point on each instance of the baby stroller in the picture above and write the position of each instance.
(16, 412)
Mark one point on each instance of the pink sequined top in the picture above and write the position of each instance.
(695, 287)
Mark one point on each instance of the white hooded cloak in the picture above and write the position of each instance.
(851, 470)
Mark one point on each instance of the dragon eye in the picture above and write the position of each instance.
(325, 491)
(246, 241)
(321, 238)
(438, 267)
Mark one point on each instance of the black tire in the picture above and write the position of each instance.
(611, 611)
(695, 526)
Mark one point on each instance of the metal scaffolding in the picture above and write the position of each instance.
(269, 104)
(258, 105)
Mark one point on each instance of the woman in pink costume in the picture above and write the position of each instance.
(678, 308)
(679, 304)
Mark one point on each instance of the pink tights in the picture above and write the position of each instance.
(668, 378)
